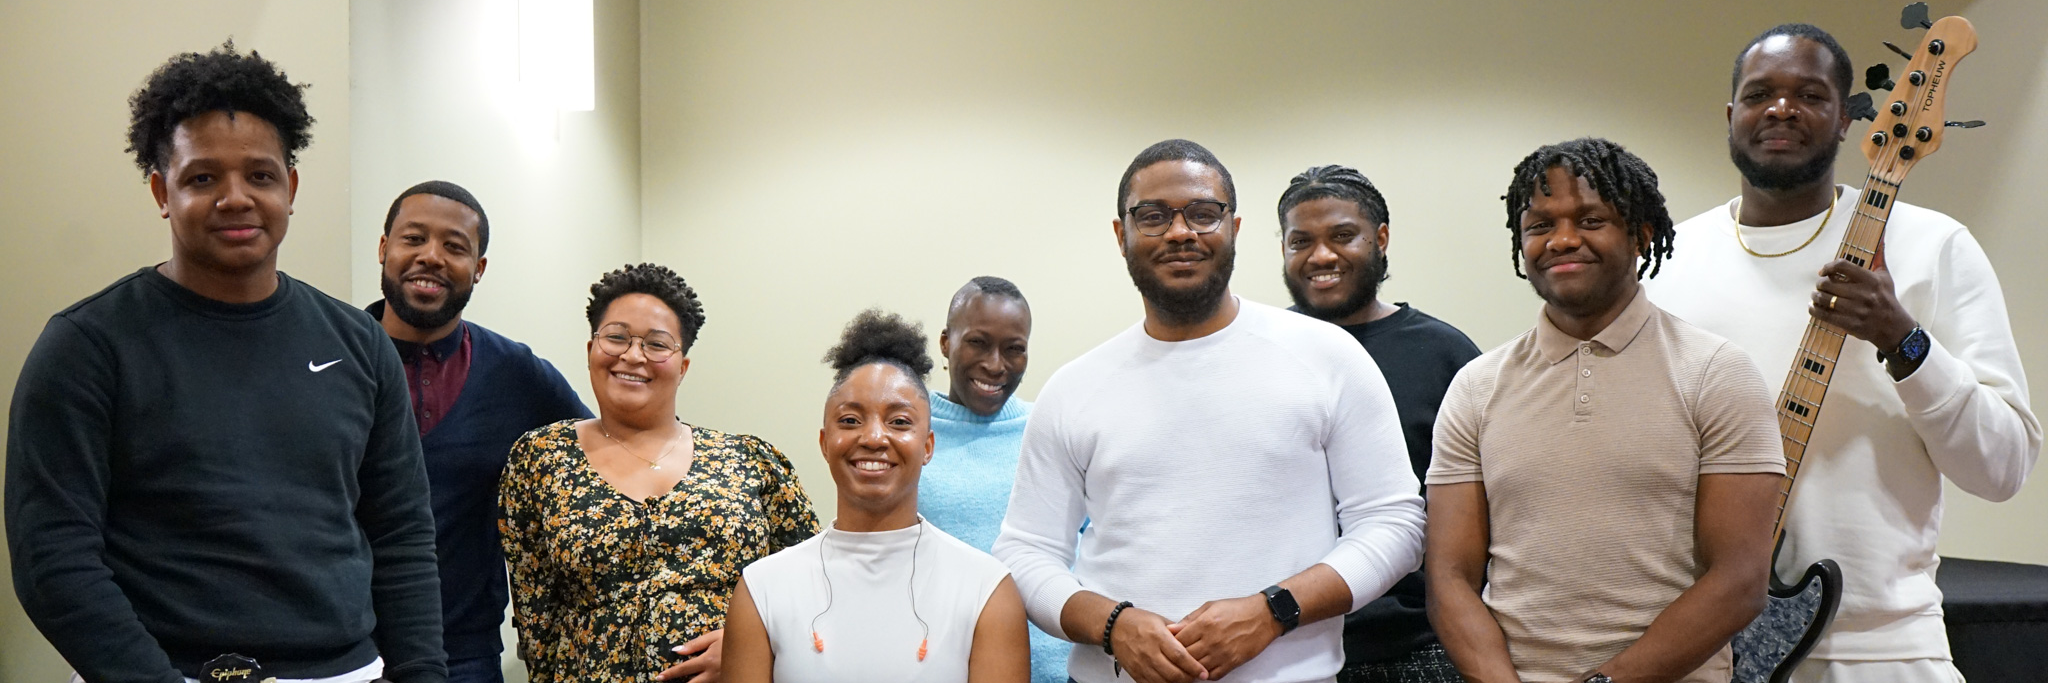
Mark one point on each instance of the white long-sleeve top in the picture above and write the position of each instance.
(1869, 494)
(1210, 469)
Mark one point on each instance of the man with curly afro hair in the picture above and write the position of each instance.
(211, 466)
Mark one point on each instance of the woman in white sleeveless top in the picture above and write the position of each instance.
(881, 595)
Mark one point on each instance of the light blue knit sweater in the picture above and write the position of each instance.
(966, 490)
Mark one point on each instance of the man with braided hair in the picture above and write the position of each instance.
(1600, 495)
(212, 468)
(1333, 249)
(1927, 386)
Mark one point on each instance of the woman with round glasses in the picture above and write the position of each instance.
(625, 533)
(882, 595)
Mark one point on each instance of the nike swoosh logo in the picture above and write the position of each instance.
(322, 366)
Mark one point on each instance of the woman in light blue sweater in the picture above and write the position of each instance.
(979, 425)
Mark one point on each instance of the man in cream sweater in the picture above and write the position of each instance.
(1928, 386)
(1242, 467)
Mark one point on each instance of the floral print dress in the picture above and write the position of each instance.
(603, 587)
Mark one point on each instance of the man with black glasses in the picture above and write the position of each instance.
(1241, 466)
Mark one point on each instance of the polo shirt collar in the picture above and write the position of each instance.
(1556, 346)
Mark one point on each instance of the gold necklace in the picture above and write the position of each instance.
(654, 464)
(1802, 245)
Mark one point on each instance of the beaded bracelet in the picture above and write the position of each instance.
(1111, 626)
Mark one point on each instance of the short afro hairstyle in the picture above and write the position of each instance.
(1622, 179)
(653, 280)
(1342, 182)
(195, 83)
(451, 192)
(875, 336)
(1842, 74)
(1173, 150)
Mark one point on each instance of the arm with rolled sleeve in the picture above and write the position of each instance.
(1379, 515)
(1968, 399)
(1047, 503)
(58, 472)
(394, 513)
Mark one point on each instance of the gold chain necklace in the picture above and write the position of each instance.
(654, 464)
(1802, 245)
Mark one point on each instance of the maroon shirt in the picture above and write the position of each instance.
(434, 373)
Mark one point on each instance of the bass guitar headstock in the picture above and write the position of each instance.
(1909, 124)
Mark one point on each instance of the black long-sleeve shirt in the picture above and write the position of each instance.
(188, 478)
(1419, 355)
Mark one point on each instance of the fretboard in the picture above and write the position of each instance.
(1813, 367)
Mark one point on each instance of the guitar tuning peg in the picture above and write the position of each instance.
(1878, 77)
(1897, 49)
(1965, 124)
(1914, 16)
(1860, 107)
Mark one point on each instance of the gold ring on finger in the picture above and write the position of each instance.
(1832, 300)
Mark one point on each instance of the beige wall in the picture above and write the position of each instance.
(79, 215)
(801, 161)
(804, 161)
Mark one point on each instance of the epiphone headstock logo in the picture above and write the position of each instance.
(231, 674)
(1934, 84)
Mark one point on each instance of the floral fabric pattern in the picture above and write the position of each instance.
(603, 587)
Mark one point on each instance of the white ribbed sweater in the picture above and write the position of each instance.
(1213, 468)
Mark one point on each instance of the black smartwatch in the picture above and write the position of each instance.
(1911, 351)
(1285, 610)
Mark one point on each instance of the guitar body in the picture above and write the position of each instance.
(1769, 648)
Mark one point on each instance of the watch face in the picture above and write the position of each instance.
(1915, 346)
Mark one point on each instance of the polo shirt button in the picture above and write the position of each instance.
(1584, 398)
(427, 382)
(1585, 373)
(1588, 350)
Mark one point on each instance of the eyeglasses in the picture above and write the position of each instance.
(656, 346)
(1202, 216)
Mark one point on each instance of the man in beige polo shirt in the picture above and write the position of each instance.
(1602, 489)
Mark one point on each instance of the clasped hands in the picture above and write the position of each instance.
(1207, 644)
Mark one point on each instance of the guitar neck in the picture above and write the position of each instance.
(1813, 367)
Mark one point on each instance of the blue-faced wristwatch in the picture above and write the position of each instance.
(1912, 349)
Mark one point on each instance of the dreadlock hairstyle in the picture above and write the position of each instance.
(192, 83)
(1173, 150)
(1841, 73)
(986, 285)
(656, 281)
(1621, 178)
(1342, 182)
(875, 336)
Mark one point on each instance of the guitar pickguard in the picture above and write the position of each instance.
(1771, 646)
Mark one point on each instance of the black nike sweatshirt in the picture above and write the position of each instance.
(188, 478)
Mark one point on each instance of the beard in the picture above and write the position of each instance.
(1785, 177)
(1370, 275)
(1183, 307)
(425, 318)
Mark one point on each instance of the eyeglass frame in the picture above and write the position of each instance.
(597, 338)
(1180, 214)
